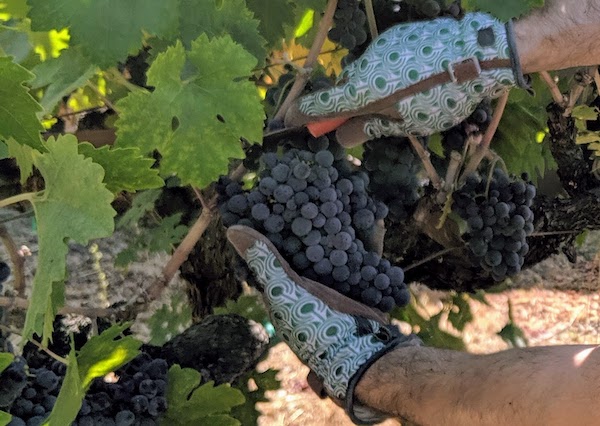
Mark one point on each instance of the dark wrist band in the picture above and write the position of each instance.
(351, 406)
(522, 81)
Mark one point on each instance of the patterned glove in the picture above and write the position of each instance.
(417, 78)
(337, 346)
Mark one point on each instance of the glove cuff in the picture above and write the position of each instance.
(359, 413)
(522, 81)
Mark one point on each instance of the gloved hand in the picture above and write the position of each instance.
(338, 340)
(417, 78)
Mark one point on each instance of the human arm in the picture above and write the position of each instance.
(562, 34)
(534, 386)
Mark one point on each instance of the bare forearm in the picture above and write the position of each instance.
(548, 385)
(563, 34)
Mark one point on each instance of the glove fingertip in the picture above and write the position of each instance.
(319, 128)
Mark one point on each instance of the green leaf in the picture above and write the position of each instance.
(16, 8)
(170, 319)
(126, 169)
(435, 145)
(513, 335)
(429, 329)
(263, 382)
(222, 18)
(166, 234)
(192, 117)
(584, 112)
(76, 205)
(204, 405)
(248, 306)
(3, 150)
(105, 353)
(70, 396)
(504, 10)
(18, 109)
(460, 313)
(273, 15)
(106, 30)
(5, 418)
(143, 203)
(23, 154)
(5, 360)
(60, 76)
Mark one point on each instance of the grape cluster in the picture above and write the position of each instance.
(277, 93)
(499, 219)
(349, 25)
(136, 396)
(454, 138)
(318, 213)
(29, 398)
(393, 168)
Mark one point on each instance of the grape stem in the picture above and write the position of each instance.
(430, 258)
(27, 196)
(311, 59)
(425, 159)
(371, 19)
(49, 352)
(554, 90)
(484, 146)
(17, 260)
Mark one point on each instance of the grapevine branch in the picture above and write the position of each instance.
(371, 19)
(23, 304)
(426, 160)
(313, 54)
(483, 148)
(554, 90)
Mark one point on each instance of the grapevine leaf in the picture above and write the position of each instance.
(513, 335)
(192, 117)
(5, 360)
(3, 150)
(248, 306)
(505, 10)
(273, 16)
(105, 353)
(229, 17)
(17, 108)
(23, 154)
(5, 418)
(517, 139)
(429, 329)
(142, 204)
(170, 319)
(14, 41)
(125, 168)
(60, 76)
(75, 204)
(460, 317)
(70, 396)
(15, 8)
(317, 5)
(207, 404)
(265, 381)
(167, 233)
(106, 30)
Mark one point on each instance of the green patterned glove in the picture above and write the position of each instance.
(337, 346)
(417, 78)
